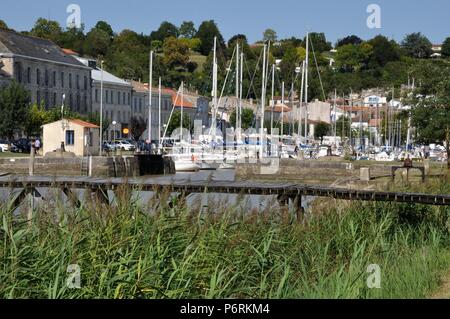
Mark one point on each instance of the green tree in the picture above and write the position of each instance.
(318, 42)
(270, 35)
(446, 48)
(175, 122)
(351, 57)
(36, 117)
(166, 30)
(352, 39)
(431, 104)
(47, 29)
(104, 26)
(187, 30)
(206, 33)
(138, 127)
(97, 43)
(384, 51)
(13, 109)
(3, 25)
(247, 118)
(322, 129)
(417, 46)
(73, 39)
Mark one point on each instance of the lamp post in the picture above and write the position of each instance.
(62, 122)
(114, 123)
(101, 109)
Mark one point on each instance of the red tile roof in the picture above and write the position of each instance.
(84, 124)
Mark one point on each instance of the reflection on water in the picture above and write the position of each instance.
(247, 202)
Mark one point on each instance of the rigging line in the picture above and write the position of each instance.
(254, 74)
(171, 113)
(226, 78)
(318, 72)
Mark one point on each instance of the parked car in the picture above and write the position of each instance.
(125, 145)
(108, 147)
(22, 145)
(4, 145)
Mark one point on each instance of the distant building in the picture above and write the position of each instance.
(45, 71)
(116, 99)
(140, 106)
(79, 137)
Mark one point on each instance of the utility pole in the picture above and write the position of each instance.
(282, 109)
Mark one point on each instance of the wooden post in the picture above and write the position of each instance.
(32, 157)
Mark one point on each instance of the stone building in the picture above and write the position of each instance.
(116, 99)
(140, 105)
(46, 71)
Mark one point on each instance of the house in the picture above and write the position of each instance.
(116, 99)
(45, 71)
(79, 137)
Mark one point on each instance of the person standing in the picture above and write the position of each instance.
(37, 145)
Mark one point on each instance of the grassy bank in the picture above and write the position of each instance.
(224, 251)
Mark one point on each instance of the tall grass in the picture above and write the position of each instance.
(165, 250)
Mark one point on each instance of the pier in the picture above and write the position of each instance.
(284, 192)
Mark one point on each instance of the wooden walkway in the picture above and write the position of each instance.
(284, 191)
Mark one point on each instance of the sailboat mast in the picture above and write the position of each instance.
(272, 101)
(159, 111)
(214, 93)
(263, 99)
(240, 93)
(181, 120)
(335, 116)
(150, 99)
(301, 100)
(306, 85)
(282, 109)
(237, 86)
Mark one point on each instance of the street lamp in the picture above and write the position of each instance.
(62, 122)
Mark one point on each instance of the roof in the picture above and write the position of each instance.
(84, 123)
(280, 108)
(19, 44)
(143, 88)
(77, 122)
(97, 76)
(70, 52)
(177, 102)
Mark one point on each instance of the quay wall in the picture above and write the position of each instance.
(116, 166)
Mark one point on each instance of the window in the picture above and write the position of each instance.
(85, 104)
(78, 103)
(129, 99)
(119, 119)
(70, 80)
(46, 78)
(96, 95)
(38, 98)
(91, 139)
(70, 101)
(70, 137)
(54, 99)
(78, 82)
(118, 97)
(62, 79)
(46, 101)
(38, 77)
(18, 69)
(107, 96)
(85, 82)
(123, 98)
(54, 78)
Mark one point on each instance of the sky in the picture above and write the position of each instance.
(336, 18)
